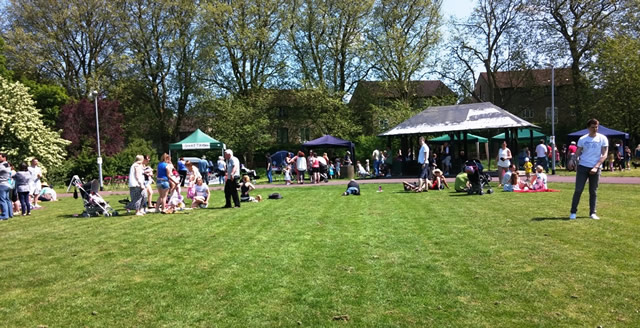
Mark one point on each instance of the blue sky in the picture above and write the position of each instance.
(458, 8)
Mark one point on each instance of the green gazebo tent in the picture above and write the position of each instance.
(523, 134)
(198, 140)
(470, 138)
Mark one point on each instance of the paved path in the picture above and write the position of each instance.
(279, 184)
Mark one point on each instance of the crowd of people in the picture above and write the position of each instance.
(21, 188)
(170, 180)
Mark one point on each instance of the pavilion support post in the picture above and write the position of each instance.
(530, 140)
(466, 151)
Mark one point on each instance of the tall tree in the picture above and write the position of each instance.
(486, 39)
(22, 133)
(326, 37)
(71, 41)
(166, 59)
(573, 28)
(402, 35)
(246, 36)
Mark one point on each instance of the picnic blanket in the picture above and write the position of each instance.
(539, 190)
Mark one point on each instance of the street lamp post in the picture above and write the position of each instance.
(95, 100)
(553, 123)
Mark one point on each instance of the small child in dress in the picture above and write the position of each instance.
(287, 174)
(528, 166)
(611, 159)
(332, 171)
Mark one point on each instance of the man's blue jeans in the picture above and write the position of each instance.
(5, 202)
(582, 175)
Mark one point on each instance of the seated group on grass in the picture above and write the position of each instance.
(437, 183)
(512, 182)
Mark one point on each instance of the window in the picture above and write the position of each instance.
(283, 135)
(527, 112)
(384, 124)
(548, 115)
(304, 134)
(282, 112)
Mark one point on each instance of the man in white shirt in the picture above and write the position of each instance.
(233, 175)
(423, 161)
(591, 153)
(541, 155)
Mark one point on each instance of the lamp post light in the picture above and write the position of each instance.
(553, 122)
(95, 100)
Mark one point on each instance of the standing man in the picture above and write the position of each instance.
(591, 153)
(423, 161)
(203, 167)
(233, 175)
(6, 205)
(182, 170)
(541, 155)
(36, 174)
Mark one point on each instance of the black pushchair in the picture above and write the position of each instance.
(477, 178)
(94, 204)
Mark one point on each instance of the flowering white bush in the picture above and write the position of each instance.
(22, 133)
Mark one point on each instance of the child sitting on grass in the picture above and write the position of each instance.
(541, 179)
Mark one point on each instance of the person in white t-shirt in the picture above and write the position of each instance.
(36, 183)
(542, 153)
(423, 161)
(592, 152)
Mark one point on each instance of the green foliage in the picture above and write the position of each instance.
(402, 35)
(85, 163)
(120, 163)
(49, 99)
(326, 114)
(365, 145)
(246, 37)
(4, 71)
(618, 69)
(327, 39)
(240, 122)
(71, 42)
(22, 132)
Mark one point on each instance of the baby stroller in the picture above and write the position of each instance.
(94, 204)
(477, 177)
(253, 176)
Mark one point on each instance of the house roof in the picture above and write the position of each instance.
(530, 78)
(466, 117)
(385, 89)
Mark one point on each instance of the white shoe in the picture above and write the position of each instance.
(572, 216)
(595, 217)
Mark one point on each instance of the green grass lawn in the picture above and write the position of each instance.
(317, 259)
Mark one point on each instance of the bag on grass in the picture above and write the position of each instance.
(275, 195)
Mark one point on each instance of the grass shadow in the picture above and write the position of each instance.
(559, 218)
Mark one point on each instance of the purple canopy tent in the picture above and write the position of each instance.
(609, 133)
(328, 141)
